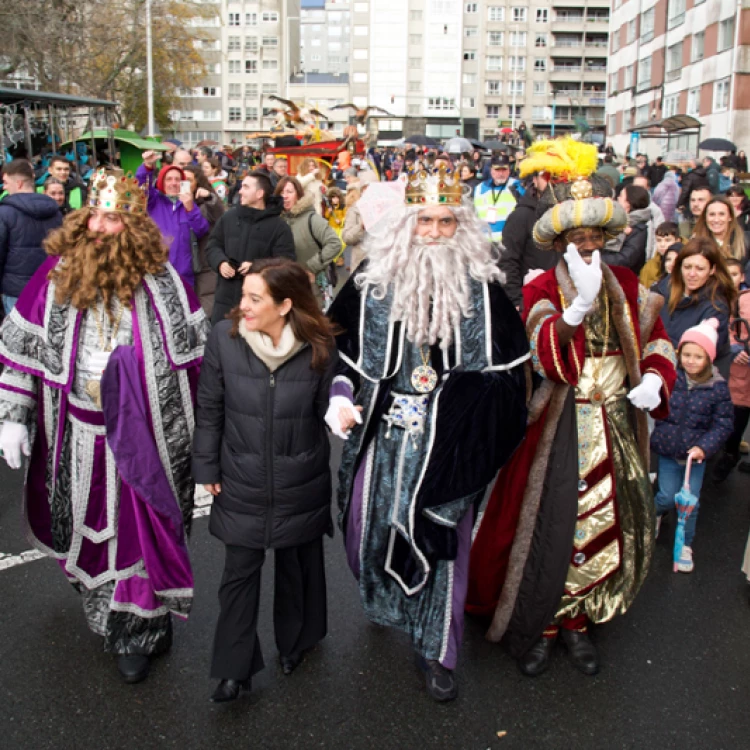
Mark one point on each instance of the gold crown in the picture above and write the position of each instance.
(441, 187)
(113, 190)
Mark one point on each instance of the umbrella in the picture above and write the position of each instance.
(685, 502)
(176, 141)
(478, 144)
(507, 130)
(717, 144)
(421, 140)
(495, 146)
(458, 146)
(200, 144)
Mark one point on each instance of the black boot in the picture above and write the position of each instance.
(441, 685)
(536, 659)
(291, 662)
(723, 467)
(229, 690)
(582, 651)
(133, 667)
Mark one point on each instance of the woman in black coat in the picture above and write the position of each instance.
(261, 449)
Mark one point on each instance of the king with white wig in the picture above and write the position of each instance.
(433, 356)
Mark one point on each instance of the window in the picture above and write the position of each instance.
(676, 13)
(540, 88)
(641, 114)
(415, 39)
(627, 77)
(518, 110)
(470, 31)
(670, 106)
(233, 43)
(627, 120)
(630, 32)
(270, 88)
(251, 66)
(613, 82)
(234, 19)
(494, 62)
(251, 45)
(267, 64)
(492, 110)
(540, 64)
(314, 58)
(251, 19)
(251, 90)
(235, 66)
(251, 113)
(415, 15)
(519, 15)
(726, 34)
(694, 101)
(469, 78)
(644, 74)
(493, 88)
(615, 36)
(235, 90)
(413, 108)
(516, 87)
(674, 61)
(696, 49)
(270, 41)
(468, 102)
(542, 15)
(470, 55)
(209, 91)
(235, 114)
(471, 7)
(495, 39)
(270, 18)
(415, 63)
(496, 13)
(647, 25)
(415, 86)
(541, 113)
(517, 63)
(441, 103)
(540, 40)
(517, 38)
(721, 95)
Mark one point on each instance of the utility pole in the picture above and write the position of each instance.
(149, 73)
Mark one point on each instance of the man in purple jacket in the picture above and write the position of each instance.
(174, 212)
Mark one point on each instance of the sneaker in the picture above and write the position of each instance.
(685, 563)
(744, 447)
(658, 526)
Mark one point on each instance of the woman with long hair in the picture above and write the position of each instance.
(719, 223)
(212, 208)
(698, 288)
(308, 175)
(741, 205)
(261, 449)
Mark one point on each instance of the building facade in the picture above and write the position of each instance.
(678, 57)
(324, 35)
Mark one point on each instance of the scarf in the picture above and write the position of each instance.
(262, 345)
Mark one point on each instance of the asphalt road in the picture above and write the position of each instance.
(676, 669)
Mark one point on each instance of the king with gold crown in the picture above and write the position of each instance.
(101, 354)
(431, 400)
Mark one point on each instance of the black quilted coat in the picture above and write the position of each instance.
(261, 435)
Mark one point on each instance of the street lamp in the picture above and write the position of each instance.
(149, 73)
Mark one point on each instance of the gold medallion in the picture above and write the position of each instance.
(597, 396)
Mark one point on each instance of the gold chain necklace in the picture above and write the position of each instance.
(105, 346)
(596, 394)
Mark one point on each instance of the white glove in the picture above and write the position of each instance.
(587, 278)
(647, 395)
(335, 405)
(14, 440)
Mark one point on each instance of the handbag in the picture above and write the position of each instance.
(330, 272)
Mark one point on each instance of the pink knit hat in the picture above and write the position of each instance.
(705, 334)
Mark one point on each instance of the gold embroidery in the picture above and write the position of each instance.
(594, 569)
(661, 347)
(611, 379)
(552, 341)
(595, 496)
(589, 528)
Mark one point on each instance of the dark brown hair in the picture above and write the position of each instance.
(201, 181)
(719, 284)
(284, 181)
(287, 279)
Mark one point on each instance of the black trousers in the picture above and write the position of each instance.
(741, 417)
(299, 607)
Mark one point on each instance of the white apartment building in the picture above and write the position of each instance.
(324, 32)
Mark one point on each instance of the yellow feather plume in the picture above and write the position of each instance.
(564, 158)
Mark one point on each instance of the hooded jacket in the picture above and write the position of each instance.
(243, 234)
(520, 253)
(175, 222)
(666, 194)
(315, 243)
(25, 220)
(629, 250)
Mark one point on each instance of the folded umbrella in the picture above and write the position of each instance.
(685, 502)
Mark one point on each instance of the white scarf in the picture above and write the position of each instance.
(262, 345)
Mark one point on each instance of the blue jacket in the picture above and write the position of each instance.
(702, 415)
(690, 312)
(25, 220)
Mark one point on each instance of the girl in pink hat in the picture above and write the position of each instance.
(699, 422)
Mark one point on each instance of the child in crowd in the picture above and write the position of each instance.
(699, 422)
(739, 376)
(670, 257)
(667, 235)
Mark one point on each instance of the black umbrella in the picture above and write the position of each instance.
(717, 144)
(478, 144)
(496, 146)
(421, 140)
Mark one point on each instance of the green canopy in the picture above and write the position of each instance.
(129, 144)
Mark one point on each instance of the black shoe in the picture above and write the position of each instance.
(744, 467)
(723, 467)
(229, 690)
(291, 662)
(536, 659)
(582, 651)
(133, 667)
(441, 685)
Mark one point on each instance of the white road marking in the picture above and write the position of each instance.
(202, 508)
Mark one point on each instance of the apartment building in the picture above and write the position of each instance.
(324, 33)
(678, 57)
